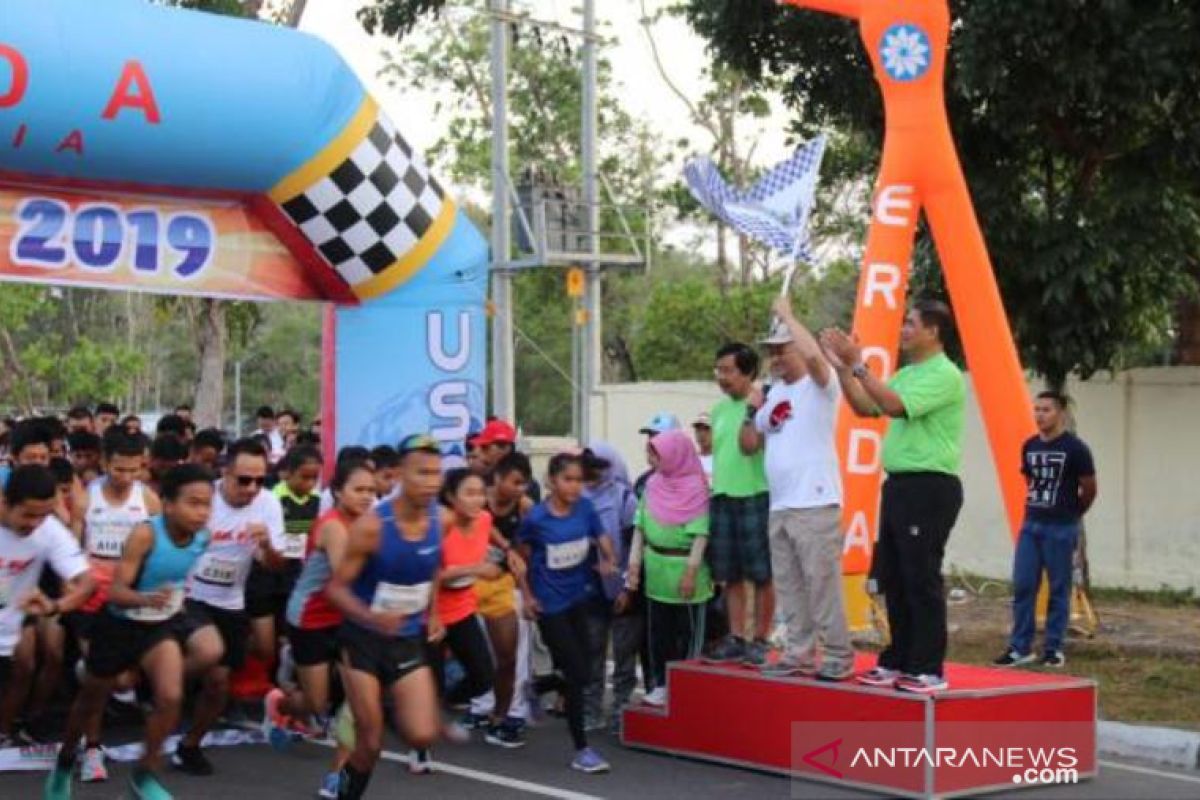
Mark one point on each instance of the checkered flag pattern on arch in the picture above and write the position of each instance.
(372, 209)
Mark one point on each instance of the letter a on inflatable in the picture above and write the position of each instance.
(907, 41)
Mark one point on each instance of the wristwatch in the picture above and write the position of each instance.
(859, 371)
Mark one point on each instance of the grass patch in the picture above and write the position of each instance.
(1132, 688)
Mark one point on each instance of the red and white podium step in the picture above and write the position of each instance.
(992, 729)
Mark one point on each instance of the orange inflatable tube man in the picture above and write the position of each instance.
(920, 171)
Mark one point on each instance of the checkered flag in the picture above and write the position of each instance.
(372, 209)
(775, 210)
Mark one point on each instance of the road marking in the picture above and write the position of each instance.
(486, 777)
(1158, 773)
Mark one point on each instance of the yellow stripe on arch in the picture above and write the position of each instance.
(411, 262)
(330, 158)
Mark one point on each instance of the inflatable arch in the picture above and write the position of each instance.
(163, 150)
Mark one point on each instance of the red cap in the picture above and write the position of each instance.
(497, 431)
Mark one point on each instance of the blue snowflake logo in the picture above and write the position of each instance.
(905, 52)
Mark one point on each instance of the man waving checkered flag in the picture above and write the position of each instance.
(775, 210)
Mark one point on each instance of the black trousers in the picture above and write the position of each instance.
(916, 516)
(676, 632)
(566, 636)
(468, 642)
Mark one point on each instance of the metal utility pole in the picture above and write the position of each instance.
(503, 394)
(590, 356)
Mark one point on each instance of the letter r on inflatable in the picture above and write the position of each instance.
(906, 41)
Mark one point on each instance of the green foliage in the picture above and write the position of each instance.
(1079, 135)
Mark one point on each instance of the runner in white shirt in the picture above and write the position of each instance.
(30, 538)
(246, 525)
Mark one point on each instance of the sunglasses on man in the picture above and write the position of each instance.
(246, 481)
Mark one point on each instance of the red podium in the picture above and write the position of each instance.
(992, 729)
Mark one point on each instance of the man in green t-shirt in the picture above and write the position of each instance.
(922, 495)
(739, 551)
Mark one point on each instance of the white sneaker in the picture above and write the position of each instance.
(922, 684)
(657, 697)
(91, 766)
(419, 762)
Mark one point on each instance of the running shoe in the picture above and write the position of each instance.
(1053, 658)
(144, 785)
(330, 785)
(274, 724)
(1011, 658)
(730, 649)
(456, 733)
(420, 762)
(589, 761)
(834, 672)
(758, 654)
(505, 735)
(788, 667)
(922, 684)
(474, 722)
(58, 784)
(192, 761)
(657, 697)
(879, 676)
(91, 766)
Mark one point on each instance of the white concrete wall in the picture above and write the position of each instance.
(1144, 430)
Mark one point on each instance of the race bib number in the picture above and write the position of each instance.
(393, 598)
(151, 614)
(218, 571)
(106, 543)
(294, 545)
(567, 554)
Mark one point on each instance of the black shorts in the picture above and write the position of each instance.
(385, 657)
(267, 591)
(6, 668)
(118, 644)
(81, 624)
(312, 647)
(234, 627)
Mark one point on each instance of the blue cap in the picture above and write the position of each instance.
(661, 423)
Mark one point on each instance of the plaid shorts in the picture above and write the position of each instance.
(738, 547)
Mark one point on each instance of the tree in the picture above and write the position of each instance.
(1079, 135)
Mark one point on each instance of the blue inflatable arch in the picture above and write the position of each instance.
(126, 98)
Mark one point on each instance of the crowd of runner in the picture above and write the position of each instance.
(149, 570)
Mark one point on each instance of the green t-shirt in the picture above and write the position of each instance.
(663, 572)
(735, 474)
(929, 437)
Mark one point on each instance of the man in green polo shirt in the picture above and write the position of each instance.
(922, 495)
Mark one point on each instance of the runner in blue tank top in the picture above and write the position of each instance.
(384, 586)
(138, 628)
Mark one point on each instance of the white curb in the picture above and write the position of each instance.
(1168, 746)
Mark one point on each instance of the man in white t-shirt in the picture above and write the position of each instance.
(796, 422)
(30, 538)
(246, 525)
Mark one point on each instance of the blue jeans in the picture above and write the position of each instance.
(1048, 546)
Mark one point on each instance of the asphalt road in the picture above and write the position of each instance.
(540, 769)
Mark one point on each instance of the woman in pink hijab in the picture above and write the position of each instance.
(670, 538)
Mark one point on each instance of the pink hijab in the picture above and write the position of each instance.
(677, 492)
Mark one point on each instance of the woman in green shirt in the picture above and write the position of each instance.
(670, 538)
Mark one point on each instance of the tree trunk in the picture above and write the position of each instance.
(1187, 325)
(210, 390)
